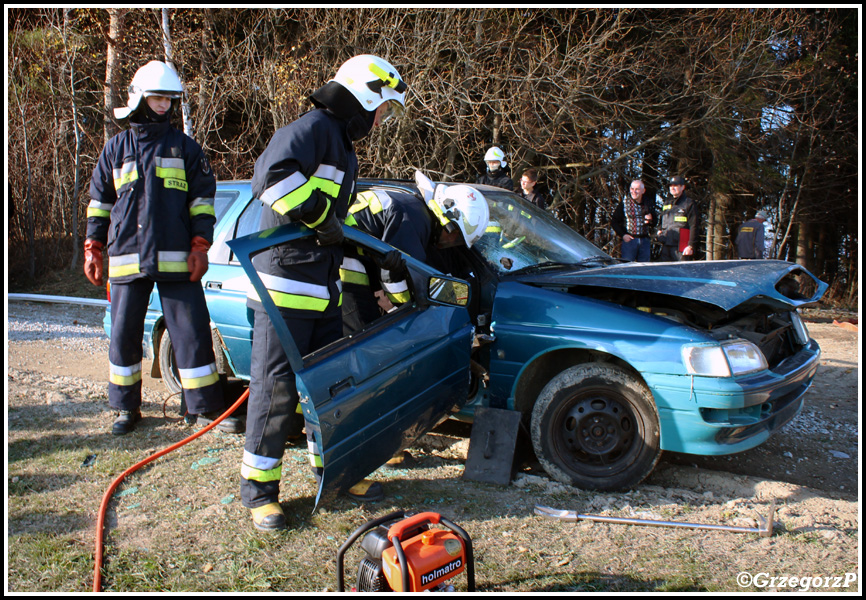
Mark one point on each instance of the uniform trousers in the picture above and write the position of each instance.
(188, 323)
(272, 414)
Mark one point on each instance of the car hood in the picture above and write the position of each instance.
(727, 284)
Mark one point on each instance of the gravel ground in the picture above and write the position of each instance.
(67, 326)
(57, 360)
(819, 448)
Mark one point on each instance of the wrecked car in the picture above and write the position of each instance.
(609, 363)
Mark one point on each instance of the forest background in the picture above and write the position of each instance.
(756, 108)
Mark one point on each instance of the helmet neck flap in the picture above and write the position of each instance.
(340, 101)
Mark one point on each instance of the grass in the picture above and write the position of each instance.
(178, 524)
(63, 282)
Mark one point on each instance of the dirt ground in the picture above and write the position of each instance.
(810, 469)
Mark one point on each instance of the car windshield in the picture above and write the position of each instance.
(523, 237)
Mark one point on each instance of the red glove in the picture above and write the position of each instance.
(197, 261)
(93, 261)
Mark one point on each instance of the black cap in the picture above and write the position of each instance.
(677, 181)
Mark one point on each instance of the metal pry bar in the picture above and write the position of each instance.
(570, 516)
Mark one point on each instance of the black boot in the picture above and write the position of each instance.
(228, 425)
(125, 421)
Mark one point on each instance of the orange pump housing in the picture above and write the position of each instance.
(431, 557)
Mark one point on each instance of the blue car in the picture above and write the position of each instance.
(608, 363)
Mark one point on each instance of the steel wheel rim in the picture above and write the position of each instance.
(596, 433)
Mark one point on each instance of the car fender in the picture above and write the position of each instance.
(540, 332)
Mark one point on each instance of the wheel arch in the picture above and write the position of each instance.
(538, 372)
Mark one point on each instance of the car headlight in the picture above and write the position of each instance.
(800, 331)
(728, 359)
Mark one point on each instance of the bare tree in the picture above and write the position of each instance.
(169, 59)
(116, 17)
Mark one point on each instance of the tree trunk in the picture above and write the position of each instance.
(804, 244)
(169, 59)
(28, 200)
(716, 242)
(115, 27)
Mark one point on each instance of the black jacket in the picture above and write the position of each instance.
(401, 220)
(537, 197)
(152, 191)
(307, 172)
(633, 223)
(678, 214)
(750, 239)
(501, 179)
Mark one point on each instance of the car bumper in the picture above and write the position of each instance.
(716, 416)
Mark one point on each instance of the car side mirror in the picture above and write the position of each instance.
(448, 291)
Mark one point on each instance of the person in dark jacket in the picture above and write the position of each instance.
(679, 224)
(306, 175)
(152, 208)
(454, 216)
(750, 238)
(633, 220)
(531, 190)
(498, 172)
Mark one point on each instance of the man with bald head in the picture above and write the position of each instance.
(632, 220)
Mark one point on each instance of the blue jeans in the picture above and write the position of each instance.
(638, 249)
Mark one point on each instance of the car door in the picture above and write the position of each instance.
(226, 284)
(370, 394)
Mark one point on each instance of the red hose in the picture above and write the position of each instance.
(100, 521)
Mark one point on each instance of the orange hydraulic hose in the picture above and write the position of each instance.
(100, 521)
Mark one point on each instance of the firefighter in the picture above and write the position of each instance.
(750, 237)
(498, 172)
(456, 216)
(152, 208)
(678, 230)
(306, 175)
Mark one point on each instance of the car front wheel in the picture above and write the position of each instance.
(595, 426)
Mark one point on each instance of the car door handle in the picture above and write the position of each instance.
(341, 387)
(214, 285)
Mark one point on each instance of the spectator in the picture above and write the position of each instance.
(750, 238)
(678, 231)
(633, 220)
(531, 190)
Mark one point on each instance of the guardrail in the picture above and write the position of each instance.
(57, 299)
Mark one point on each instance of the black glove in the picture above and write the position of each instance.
(330, 232)
(394, 263)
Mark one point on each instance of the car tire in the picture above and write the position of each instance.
(595, 426)
(167, 365)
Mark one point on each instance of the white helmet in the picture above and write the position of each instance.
(373, 81)
(153, 79)
(496, 153)
(464, 206)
